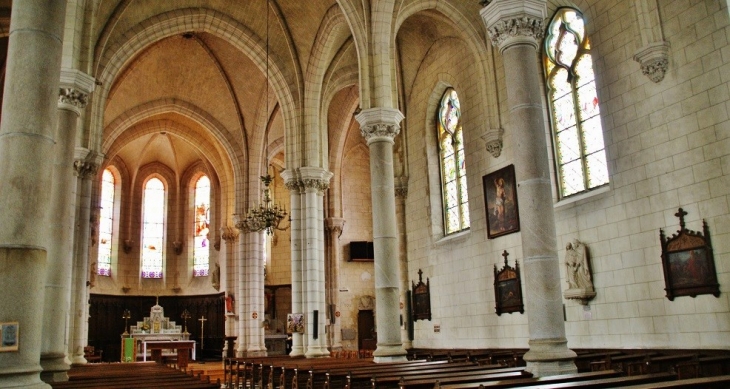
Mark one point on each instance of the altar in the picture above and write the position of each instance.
(157, 332)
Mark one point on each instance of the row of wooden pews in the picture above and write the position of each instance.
(131, 376)
(457, 369)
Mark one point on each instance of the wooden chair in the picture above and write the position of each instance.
(91, 355)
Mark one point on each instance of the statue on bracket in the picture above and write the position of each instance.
(578, 273)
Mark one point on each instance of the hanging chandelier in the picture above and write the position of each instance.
(266, 216)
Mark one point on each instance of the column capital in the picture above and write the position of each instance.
(515, 22)
(493, 141)
(74, 89)
(229, 234)
(307, 177)
(335, 224)
(379, 124)
(85, 169)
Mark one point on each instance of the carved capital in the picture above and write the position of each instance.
(318, 184)
(335, 225)
(378, 124)
(493, 141)
(512, 22)
(654, 60)
(229, 234)
(85, 169)
(72, 98)
(401, 191)
(74, 89)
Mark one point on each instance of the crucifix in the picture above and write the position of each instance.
(202, 321)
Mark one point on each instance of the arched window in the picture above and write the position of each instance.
(574, 111)
(106, 224)
(453, 168)
(153, 228)
(201, 253)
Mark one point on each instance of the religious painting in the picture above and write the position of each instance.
(500, 200)
(295, 323)
(508, 288)
(688, 262)
(9, 336)
(421, 294)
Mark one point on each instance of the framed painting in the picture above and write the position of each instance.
(295, 323)
(688, 262)
(421, 294)
(508, 288)
(500, 202)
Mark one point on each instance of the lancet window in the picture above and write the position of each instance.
(153, 229)
(453, 166)
(106, 224)
(574, 109)
(201, 229)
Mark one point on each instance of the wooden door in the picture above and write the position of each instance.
(366, 337)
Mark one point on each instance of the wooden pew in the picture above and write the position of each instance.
(614, 382)
(720, 382)
(436, 380)
(131, 376)
(532, 381)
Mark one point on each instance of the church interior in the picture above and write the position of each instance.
(370, 178)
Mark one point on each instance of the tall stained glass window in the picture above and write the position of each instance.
(153, 228)
(453, 168)
(106, 224)
(574, 111)
(201, 228)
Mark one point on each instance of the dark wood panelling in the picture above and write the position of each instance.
(106, 324)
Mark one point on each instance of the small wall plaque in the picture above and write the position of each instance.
(9, 336)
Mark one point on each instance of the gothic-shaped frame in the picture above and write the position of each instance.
(508, 288)
(421, 298)
(688, 261)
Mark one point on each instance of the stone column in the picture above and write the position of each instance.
(29, 111)
(241, 289)
(254, 316)
(293, 184)
(315, 181)
(516, 28)
(334, 227)
(401, 193)
(229, 236)
(379, 126)
(85, 167)
(74, 93)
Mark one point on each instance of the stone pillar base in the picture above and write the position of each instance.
(79, 360)
(253, 353)
(389, 353)
(55, 368)
(550, 357)
(317, 352)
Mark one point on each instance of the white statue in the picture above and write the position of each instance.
(579, 275)
(578, 272)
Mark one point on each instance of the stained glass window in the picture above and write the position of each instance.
(574, 110)
(453, 167)
(106, 224)
(201, 228)
(153, 228)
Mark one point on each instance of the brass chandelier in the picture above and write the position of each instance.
(266, 216)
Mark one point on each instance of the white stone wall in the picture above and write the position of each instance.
(357, 279)
(668, 147)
